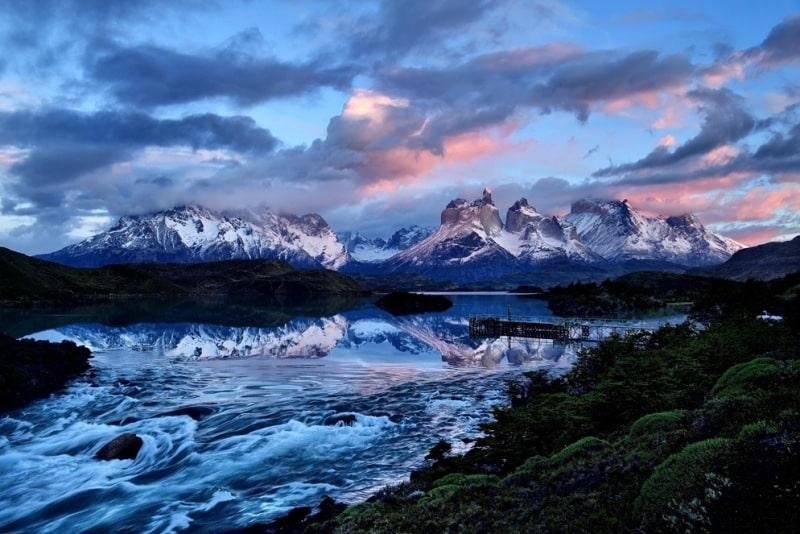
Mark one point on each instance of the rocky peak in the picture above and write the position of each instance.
(521, 215)
(486, 198)
(481, 214)
(687, 220)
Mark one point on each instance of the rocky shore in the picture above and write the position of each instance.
(33, 369)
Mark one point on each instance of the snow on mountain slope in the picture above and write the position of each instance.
(371, 249)
(300, 338)
(464, 243)
(532, 236)
(617, 232)
(194, 233)
(472, 236)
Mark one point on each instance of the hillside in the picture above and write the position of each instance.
(631, 294)
(25, 280)
(762, 262)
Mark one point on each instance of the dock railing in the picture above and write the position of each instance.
(567, 329)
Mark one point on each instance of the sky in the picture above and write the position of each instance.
(376, 114)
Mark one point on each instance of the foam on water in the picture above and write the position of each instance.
(259, 443)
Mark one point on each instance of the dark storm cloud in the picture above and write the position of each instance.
(150, 75)
(65, 145)
(132, 130)
(726, 121)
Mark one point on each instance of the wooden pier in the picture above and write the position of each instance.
(483, 326)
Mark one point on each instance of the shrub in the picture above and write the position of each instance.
(658, 422)
(744, 378)
(677, 492)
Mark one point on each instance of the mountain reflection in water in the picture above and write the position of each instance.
(266, 387)
(317, 337)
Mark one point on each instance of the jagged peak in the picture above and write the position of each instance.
(684, 220)
(457, 203)
(589, 204)
(486, 198)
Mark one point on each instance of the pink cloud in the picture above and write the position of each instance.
(756, 235)
(760, 203)
(718, 75)
(668, 141)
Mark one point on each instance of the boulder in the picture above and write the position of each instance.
(346, 419)
(195, 412)
(124, 447)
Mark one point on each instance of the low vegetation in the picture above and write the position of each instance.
(25, 281)
(685, 429)
(653, 292)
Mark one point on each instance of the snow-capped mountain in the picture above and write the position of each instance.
(466, 242)
(371, 249)
(472, 242)
(300, 338)
(533, 237)
(193, 233)
(616, 231)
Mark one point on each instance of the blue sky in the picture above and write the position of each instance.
(375, 114)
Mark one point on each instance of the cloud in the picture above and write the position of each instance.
(150, 75)
(781, 46)
(400, 27)
(725, 121)
(63, 145)
(42, 34)
(489, 89)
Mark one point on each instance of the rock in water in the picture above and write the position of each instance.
(402, 303)
(347, 419)
(124, 447)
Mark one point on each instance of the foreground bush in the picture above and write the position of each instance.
(682, 430)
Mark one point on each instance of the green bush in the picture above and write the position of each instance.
(658, 422)
(744, 378)
(580, 450)
(674, 494)
(460, 479)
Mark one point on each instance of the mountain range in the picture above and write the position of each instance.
(472, 242)
(374, 249)
(191, 234)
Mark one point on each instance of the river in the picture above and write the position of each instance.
(238, 420)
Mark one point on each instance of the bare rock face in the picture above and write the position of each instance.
(124, 447)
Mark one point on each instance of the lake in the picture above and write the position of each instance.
(239, 413)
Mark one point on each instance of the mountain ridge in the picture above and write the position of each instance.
(472, 243)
